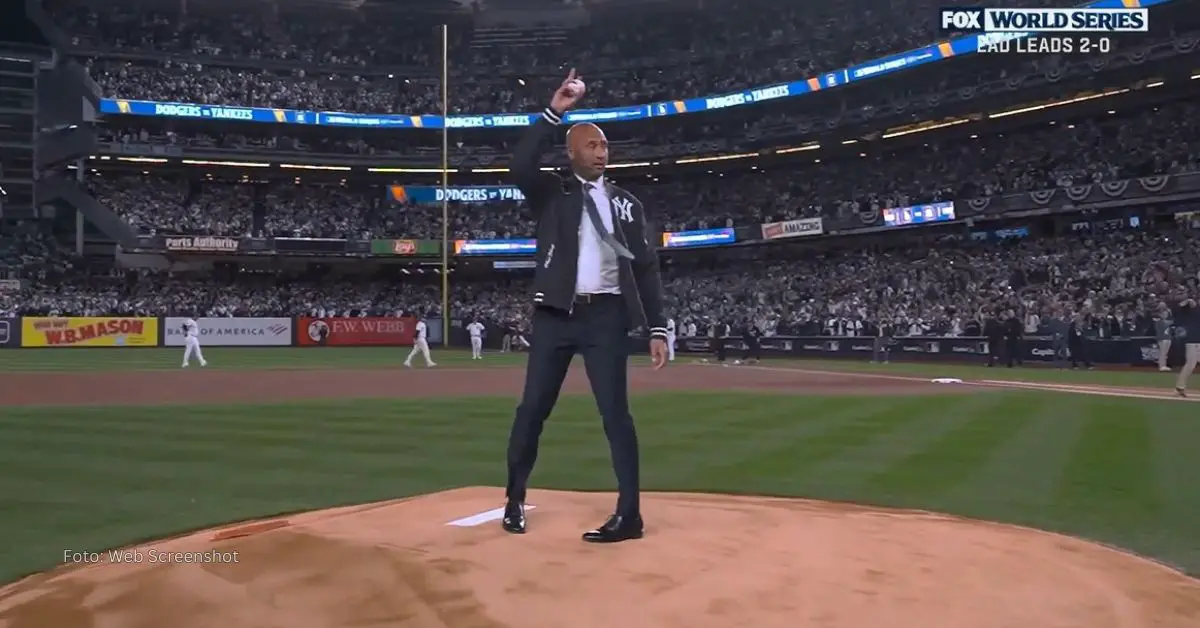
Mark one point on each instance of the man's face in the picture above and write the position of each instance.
(587, 149)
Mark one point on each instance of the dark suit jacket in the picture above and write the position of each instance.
(557, 205)
(1188, 318)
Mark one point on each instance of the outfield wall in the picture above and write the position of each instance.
(1136, 351)
(67, 332)
(303, 331)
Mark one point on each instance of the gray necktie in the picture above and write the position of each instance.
(589, 206)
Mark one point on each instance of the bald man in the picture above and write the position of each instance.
(597, 278)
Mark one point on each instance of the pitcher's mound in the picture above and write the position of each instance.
(707, 561)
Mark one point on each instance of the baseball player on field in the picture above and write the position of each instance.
(420, 345)
(476, 331)
(191, 342)
(671, 339)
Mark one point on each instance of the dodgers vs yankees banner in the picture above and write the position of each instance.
(793, 228)
(232, 332)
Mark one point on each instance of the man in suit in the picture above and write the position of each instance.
(881, 351)
(506, 340)
(1013, 332)
(1077, 340)
(750, 336)
(718, 333)
(1187, 318)
(1058, 328)
(1162, 334)
(994, 330)
(596, 278)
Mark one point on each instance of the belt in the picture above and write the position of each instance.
(598, 297)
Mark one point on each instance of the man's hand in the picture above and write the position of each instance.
(568, 94)
(658, 352)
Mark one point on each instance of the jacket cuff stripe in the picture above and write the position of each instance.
(661, 330)
(551, 117)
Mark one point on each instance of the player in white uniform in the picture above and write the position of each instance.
(476, 331)
(420, 345)
(671, 339)
(191, 342)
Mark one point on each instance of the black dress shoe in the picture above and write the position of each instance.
(615, 530)
(514, 518)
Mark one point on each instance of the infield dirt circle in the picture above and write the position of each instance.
(441, 560)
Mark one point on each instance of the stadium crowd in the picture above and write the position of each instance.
(357, 61)
(921, 285)
(1121, 145)
(331, 59)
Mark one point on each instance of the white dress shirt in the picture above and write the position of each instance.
(598, 270)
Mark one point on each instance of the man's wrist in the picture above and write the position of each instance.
(552, 116)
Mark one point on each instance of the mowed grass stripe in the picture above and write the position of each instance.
(230, 426)
(783, 453)
(849, 476)
(1110, 477)
(957, 455)
(1176, 441)
(1176, 438)
(236, 358)
(200, 420)
(748, 422)
(395, 436)
(1019, 477)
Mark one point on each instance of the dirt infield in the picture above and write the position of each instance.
(196, 385)
(441, 560)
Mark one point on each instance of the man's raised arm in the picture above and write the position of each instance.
(526, 165)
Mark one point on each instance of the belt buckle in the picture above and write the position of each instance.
(584, 299)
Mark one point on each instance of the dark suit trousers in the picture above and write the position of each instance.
(1078, 346)
(753, 350)
(599, 331)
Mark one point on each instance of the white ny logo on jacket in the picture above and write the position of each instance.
(623, 209)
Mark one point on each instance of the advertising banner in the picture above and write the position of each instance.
(1031, 350)
(355, 332)
(514, 264)
(232, 332)
(918, 214)
(495, 247)
(88, 331)
(457, 194)
(10, 332)
(201, 244)
(405, 247)
(792, 228)
(702, 237)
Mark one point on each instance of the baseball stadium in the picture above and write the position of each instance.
(912, 325)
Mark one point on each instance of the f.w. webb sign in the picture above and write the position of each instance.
(207, 244)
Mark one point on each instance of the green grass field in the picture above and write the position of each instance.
(1122, 471)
